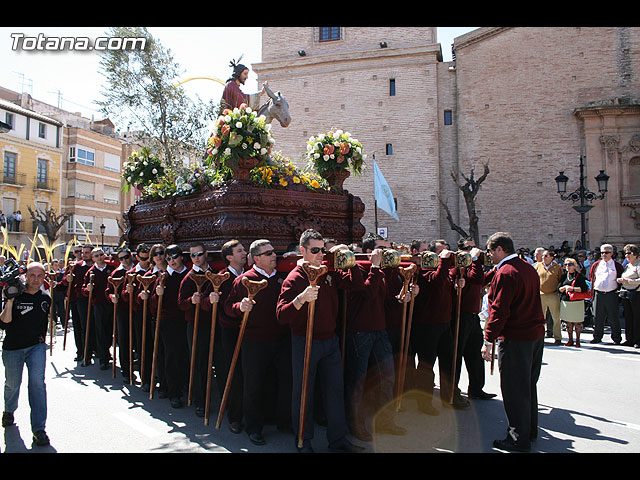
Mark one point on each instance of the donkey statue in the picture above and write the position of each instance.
(276, 108)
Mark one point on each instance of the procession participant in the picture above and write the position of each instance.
(232, 95)
(78, 302)
(188, 298)
(173, 328)
(515, 315)
(266, 343)
(102, 322)
(431, 332)
(24, 319)
(158, 258)
(234, 256)
(325, 358)
(122, 312)
(470, 336)
(158, 264)
(367, 344)
(141, 267)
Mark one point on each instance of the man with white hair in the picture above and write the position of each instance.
(603, 276)
(25, 318)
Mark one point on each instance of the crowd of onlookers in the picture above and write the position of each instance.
(11, 221)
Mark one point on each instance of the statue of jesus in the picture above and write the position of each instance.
(232, 96)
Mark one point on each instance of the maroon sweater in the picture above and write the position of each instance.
(117, 273)
(98, 296)
(365, 308)
(393, 308)
(262, 323)
(434, 303)
(326, 305)
(471, 301)
(170, 309)
(222, 318)
(187, 289)
(124, 295)
(79, 271)
(515, 308)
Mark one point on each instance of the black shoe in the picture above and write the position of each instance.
(256, 438)
(199, 411)
(146, 387)
(104, 366)
(7, 419)
(176, 403)
(627, 344)
(558, 342)
(162, 394)
(235, 427)
(345, 446)
(595, 341)
(40, 438)
(78, 358)
(511, 446)
(481, 395)
(458, 403)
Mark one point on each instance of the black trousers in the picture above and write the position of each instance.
(606, 308)
(173, 361)
(258, 357)
(148, 344)
(122, 333)
(228, 340)
(82, 306)
(431, 341)
(473, 360)
(103, 331)
(76, 319)
(519, 363)
(632, 318)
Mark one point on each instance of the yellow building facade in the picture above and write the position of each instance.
(31, 153)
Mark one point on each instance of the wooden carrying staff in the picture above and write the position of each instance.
(407, 274)
(116, 282)
(216, 279)
(161, 279)
(493, 355)
(67, 306)
(131, 278)
(456, 331)
(253, 288)
(88, 327)
(145, 281)
(313, 274)
(199, 279)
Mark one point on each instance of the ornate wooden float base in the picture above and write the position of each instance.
(237, 210)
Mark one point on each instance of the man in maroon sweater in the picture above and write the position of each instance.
(515, 317)
(188, 298)
(173, 328)
(102, 322)
(367, 344)
(431, 335)
(77, 302)
(122, 312)
(234, 256)
(325, 359)
(266, 343)
(470, 335)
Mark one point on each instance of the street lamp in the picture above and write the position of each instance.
(582, 194)
(102, 229)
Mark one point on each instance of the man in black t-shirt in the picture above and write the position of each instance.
(24, 318)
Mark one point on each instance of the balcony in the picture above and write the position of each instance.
(12, 178)
(45, 183)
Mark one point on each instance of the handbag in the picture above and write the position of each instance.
(574, 296)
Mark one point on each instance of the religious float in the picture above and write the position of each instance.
(246, 190)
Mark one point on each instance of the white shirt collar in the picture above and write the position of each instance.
(235, 272)
(198, 269)
(139, 268)
(509, 257)
(171, 270)
(263, 273)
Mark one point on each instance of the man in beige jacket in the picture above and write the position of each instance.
(550, 274)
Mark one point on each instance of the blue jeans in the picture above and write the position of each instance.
(364, 349)
(35, 359)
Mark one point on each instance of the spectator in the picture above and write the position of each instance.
(11, 222)
(18, 219)
(630, 294)
(603, 276)
(572, 310)
(550, 274)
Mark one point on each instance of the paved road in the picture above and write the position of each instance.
(588, 403)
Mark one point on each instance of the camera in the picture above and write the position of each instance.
(12, 279)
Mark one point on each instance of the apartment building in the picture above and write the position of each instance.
(31, 151)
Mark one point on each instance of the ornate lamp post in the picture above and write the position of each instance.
(582, 194)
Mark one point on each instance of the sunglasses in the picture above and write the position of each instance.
(77, 251)
(316, 250)
(196, 254)
(125, 257)
(268, 252)
(158, 252)
(98, 255)
(143, 259)
(604, 253)
(174, 256)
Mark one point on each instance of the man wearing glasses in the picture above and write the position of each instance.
(325, 360)
(188, 298)
(550, 273)
(102, 323)
(122, 312)
(78, 303)
(603, 276)
(266, 343)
